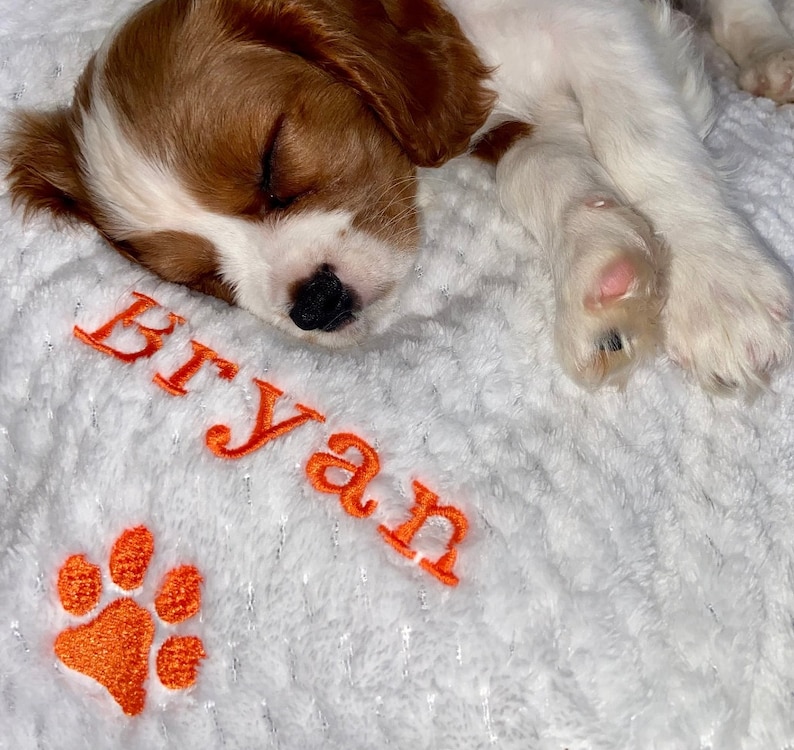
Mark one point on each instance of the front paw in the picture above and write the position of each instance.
(770, 74)
(730, 325)
(608, 308)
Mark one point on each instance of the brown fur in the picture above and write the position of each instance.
(42, 155)
(497, 142)
(407, 59)
(43, 173)
(180, 257)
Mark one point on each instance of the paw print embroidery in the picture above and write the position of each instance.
(113, 648)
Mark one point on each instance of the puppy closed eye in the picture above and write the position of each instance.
(269, 184)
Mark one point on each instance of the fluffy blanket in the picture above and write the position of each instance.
(213, 536)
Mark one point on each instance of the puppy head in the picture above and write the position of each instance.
(262, 152)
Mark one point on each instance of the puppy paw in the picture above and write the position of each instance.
(729, 324)
(770, 74)
(608, 307)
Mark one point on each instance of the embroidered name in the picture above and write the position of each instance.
(346, 471)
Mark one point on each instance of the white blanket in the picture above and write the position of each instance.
(624, 561)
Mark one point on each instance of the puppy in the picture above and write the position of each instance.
(266, 152)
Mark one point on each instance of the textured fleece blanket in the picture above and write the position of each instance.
(213, 536)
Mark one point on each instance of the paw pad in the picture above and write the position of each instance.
(113, 648)
(615, 282)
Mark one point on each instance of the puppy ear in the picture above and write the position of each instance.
(408, 59)
(43, 175)
(414, 66)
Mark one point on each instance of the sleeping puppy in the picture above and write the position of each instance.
(266, 152)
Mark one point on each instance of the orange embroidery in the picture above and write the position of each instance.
(175, 384)
(219, 436)
(177, 660)
(114, 647)
(351, 494)
(179, 597)
(79, 585)
(180, 594)
(153, 336)
(425, 506)
(130, 557)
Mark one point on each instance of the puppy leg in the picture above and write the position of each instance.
(752, 34)
(605, 262)
(729, 301)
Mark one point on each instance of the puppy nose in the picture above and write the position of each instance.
(322, 302)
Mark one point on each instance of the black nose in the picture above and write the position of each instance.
(322, 302)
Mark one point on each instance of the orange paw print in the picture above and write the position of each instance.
(114, 647)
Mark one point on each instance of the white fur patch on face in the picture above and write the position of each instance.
(261, 260)
(135, 193)
(293, 249)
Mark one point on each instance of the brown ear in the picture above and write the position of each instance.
(41, 155)
(408, 59)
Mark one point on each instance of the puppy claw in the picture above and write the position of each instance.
(612, 341)
(720, 384)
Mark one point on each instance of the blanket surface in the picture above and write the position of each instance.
(213, 536)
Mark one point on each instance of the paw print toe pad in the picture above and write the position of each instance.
(177, 660)
(79, 585)
(130, 557)
(180, 595)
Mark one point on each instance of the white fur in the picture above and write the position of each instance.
(748, 30)
(621, 105)
(759, 44)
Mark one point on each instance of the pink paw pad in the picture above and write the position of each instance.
(614, 283)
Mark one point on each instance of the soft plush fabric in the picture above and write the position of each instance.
(623, 560)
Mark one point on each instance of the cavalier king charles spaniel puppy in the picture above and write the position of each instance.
(266, 152)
